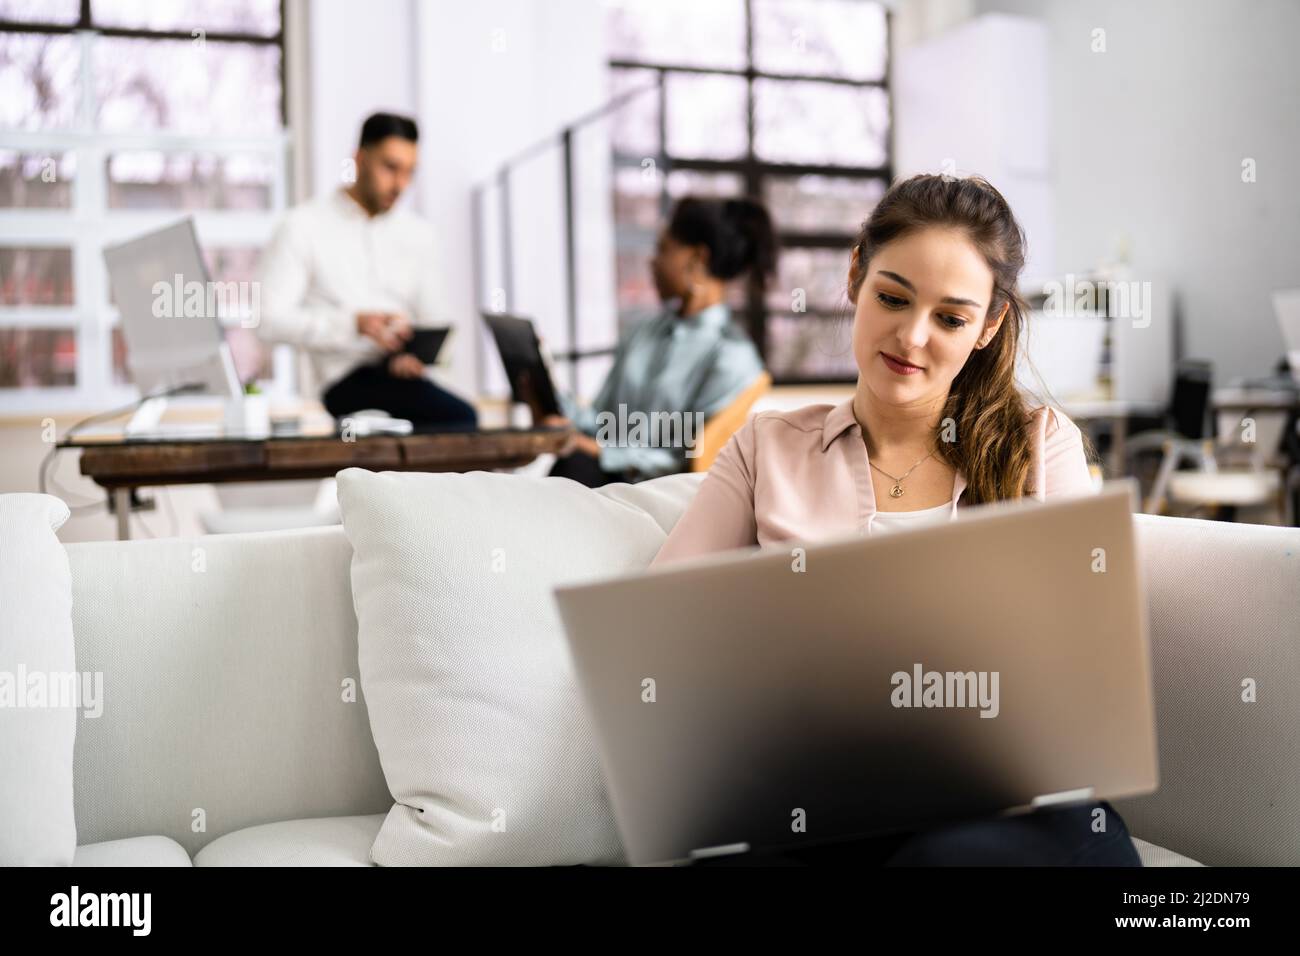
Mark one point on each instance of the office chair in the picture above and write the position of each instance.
(725, 423)
(1291, 451)
(1252, 478)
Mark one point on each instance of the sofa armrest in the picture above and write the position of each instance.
(1224, 604)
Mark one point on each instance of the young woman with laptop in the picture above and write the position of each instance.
(937, 423)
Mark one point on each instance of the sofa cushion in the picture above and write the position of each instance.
(133, 851)
(39, 687)
(326, 841)
(481, 730)
(230, 678)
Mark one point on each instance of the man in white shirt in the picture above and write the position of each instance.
(346, 278)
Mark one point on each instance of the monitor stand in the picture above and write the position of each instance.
(147, 417)
(245, 416)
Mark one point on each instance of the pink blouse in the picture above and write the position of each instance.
(804, 475)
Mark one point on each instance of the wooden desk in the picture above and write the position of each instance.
(118, 465)
(1237, 398)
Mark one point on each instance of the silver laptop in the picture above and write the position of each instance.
(773, 698)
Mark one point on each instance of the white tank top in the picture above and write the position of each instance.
(887, 521)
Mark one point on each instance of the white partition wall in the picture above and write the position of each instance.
(974, 100)
(494, 78)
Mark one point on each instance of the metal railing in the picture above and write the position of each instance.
(563, 140)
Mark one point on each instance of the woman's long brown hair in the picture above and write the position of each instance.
(992, 447)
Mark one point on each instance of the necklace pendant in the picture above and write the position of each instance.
(896, 491)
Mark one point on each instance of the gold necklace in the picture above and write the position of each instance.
(897, 490)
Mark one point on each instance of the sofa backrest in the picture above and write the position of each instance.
(231, 693)
(227, 661)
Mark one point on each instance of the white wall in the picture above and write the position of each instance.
(361, 60)
(494, 78)
(958, 111)
(1147, 142)
(1150, 140)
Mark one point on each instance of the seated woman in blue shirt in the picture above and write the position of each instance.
(691, 359)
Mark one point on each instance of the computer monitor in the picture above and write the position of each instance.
(153, 280)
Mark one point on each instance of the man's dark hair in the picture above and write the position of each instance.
(380, 126)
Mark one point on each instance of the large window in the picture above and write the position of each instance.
(784, 100)
(118, 117)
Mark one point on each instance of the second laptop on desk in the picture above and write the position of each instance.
(526, 368)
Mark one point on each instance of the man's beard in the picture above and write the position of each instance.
(374, 201)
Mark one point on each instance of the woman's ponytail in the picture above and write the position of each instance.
(737, 232)
(750, 220)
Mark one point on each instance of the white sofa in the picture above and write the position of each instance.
(228, 741)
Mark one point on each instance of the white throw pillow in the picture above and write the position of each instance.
(478, 721)
(38, 725)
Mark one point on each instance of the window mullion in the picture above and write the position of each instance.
(86, 81)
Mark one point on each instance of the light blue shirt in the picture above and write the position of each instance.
(668, 364)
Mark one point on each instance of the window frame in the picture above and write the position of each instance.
(88, 224)
(754, 171)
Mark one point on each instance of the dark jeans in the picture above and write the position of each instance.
(584, 469)
(1062, 836)
(416, 399)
